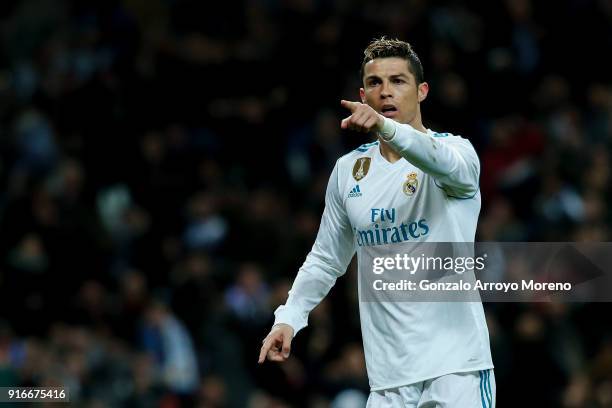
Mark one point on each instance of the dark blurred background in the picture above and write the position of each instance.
(163, 166)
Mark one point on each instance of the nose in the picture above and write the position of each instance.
(385, 91)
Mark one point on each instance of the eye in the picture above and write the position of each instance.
(373, 82)
(398, 81)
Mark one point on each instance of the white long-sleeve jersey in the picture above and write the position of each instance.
(434, 196)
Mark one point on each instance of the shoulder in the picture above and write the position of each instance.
(447, 137)
(456, 142)
(365, 150)
(439, 134)
(356, 160)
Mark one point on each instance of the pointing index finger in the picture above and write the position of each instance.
(264, 351)
(349, 105)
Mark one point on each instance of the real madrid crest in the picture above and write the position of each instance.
(361, 168)
(410, 185)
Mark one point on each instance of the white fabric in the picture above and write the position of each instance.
(475, 389)
(404, 343)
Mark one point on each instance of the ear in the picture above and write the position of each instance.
(422, 91)
(362, 95)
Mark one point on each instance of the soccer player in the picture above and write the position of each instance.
(418, 354)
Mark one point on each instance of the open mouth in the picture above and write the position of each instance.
(389, 111)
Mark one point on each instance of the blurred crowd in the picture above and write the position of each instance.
(163, 166)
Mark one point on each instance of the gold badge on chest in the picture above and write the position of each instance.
(361, 168)
(410, 186)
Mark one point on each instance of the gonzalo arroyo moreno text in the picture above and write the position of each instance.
(459, 265)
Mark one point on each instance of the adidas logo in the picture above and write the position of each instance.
(355, 192)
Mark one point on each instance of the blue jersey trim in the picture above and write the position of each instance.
(486, 380)
(365, 147)
(489, 386)
(482, 400)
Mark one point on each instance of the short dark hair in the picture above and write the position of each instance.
(385, 48)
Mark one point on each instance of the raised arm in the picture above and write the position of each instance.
(451, 160)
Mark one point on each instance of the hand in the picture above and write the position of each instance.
(363, 117)
(277, 344)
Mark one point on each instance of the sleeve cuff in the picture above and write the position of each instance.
(283, 314)
(388, 130)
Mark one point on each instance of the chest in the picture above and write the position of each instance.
(386, 196)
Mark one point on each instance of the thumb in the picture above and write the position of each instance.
(349, 105)
(286, 345)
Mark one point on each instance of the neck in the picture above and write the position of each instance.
(387, 151)
(417, 123)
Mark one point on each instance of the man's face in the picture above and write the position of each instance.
(390, 88)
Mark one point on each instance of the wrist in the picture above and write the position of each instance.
(281, 325)
(387, 128)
